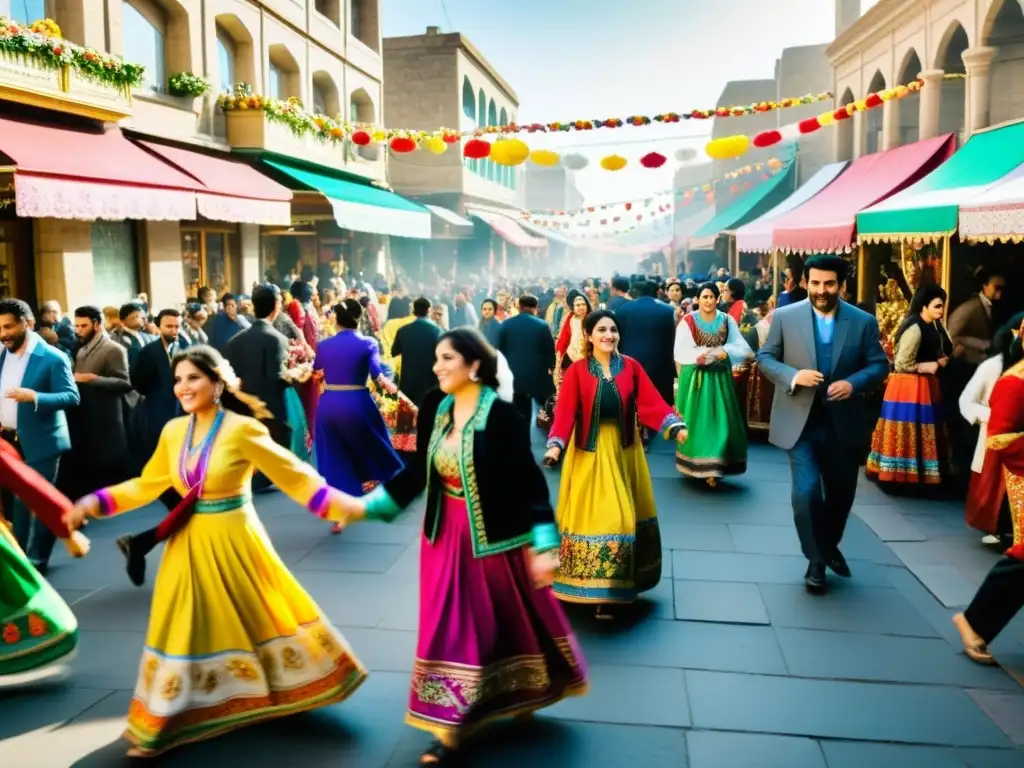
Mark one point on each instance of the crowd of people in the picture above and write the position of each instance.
(356, 399)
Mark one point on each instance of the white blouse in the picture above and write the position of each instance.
(974, 403)
(686, 349)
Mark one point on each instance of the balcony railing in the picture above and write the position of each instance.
(26, 80)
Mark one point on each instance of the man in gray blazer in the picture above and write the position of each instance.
(99, 434)
(823, 355)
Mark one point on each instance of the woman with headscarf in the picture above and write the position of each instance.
(490, 325)
(910, 444)
(233, 638)
(987, 503)
(571, 344)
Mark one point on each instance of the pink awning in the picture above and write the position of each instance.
(508, 230)
(235, 191)
(69, 173)
(827, 222)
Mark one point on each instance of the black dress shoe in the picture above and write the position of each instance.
(837, 563)
(814, 579)
(135, 548)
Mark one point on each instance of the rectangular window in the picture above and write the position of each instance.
(275, 81)
(115, 263)
(25, 12)
(206, 260)
(355, 12)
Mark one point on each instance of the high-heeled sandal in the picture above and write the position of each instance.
(978, 651)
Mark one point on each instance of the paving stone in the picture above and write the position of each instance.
(716, 749)
(337, 554)
(43, 709)
(684, 644)
(382, 650)
(629, 695)
(547, 741)
(868, 610)
(762, 569)
(660, 601)
(729, 602)
(107, 660)
(676, 534)
(992, 758)
(888, 523)
(858, 754)
(357, 599)
(887, 658)
(840, 710)
(121, 608)
(859, 543)
(949, 585)
(1005, 709)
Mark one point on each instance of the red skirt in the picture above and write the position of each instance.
(985, 495)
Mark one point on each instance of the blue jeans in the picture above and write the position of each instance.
(31, 533)
(824, 474)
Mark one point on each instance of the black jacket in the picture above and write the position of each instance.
(647, 328)
(506, 493)
(259, 355)
(529, 348)
(415, 343)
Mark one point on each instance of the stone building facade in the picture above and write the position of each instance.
(325, 52)
(896, 41)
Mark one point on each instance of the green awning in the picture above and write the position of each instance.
(755, 203)
(929, 209)
(363, 207)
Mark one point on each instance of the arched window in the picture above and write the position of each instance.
(481, 121)
(226, 54)
(325, 95)
(144, 33)
(283, 80)
(330, 9)
(492, 119)
(361, 110)
(468, 119)
(24, 12)
(873, 119)
(275, 77)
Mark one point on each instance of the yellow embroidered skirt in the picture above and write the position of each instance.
(611, 545)
(233, 638)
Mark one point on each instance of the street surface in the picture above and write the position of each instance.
(728, 664)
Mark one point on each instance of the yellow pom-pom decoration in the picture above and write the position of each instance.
(613, 162)
(727, 147)
(861, 106)
(435, 145)
(826, 118)
(887, 94)
(544, 158)
(379, 137)
(509, 152)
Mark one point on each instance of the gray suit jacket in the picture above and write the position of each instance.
(857, 357)
(98, 424)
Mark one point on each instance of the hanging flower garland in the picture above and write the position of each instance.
(730, 147)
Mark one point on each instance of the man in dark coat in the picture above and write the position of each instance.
(647, 328)
(525, 341)
(153, 379)
(259, 356)
(415, 343)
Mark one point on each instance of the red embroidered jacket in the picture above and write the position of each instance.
(45, 501)
(578, 406)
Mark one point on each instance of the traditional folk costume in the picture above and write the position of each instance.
(759, 391)
(910, 443)
(490, 643)
(987, 489)
(1001, 595)
(610, 542)
(571, 344)
(233, 638)
(37, 629)
(706, 397)
(305, 318)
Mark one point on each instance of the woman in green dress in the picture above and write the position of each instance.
(38, 632)
(708, 345)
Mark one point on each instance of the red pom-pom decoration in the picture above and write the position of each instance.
(362, 138)
(767, 139)
(476, 149)
(653, 160)
(402, 144)
(842, 114)
(872, 101)
(810, 125)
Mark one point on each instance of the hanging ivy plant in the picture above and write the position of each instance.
(48, 49)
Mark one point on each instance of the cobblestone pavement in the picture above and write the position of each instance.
(729, 662)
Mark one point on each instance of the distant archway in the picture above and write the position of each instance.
(873, 118)
(910, 105)
(844, 130)
(949, 58)
(1004, 30)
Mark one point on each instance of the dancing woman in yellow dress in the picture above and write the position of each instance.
(233, 638)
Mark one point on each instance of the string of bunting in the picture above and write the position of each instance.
(292, 112)
(732, 147)
(685, 195)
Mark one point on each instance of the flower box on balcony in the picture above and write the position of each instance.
(250, 129)
(28, 80)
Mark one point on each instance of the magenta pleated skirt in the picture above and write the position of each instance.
(490, 644)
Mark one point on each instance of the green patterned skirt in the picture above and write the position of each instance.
(36, 626)
(717, 442)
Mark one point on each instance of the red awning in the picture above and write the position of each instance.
(235, 191)
(509, 230)
(68, 173)
(827, 222)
